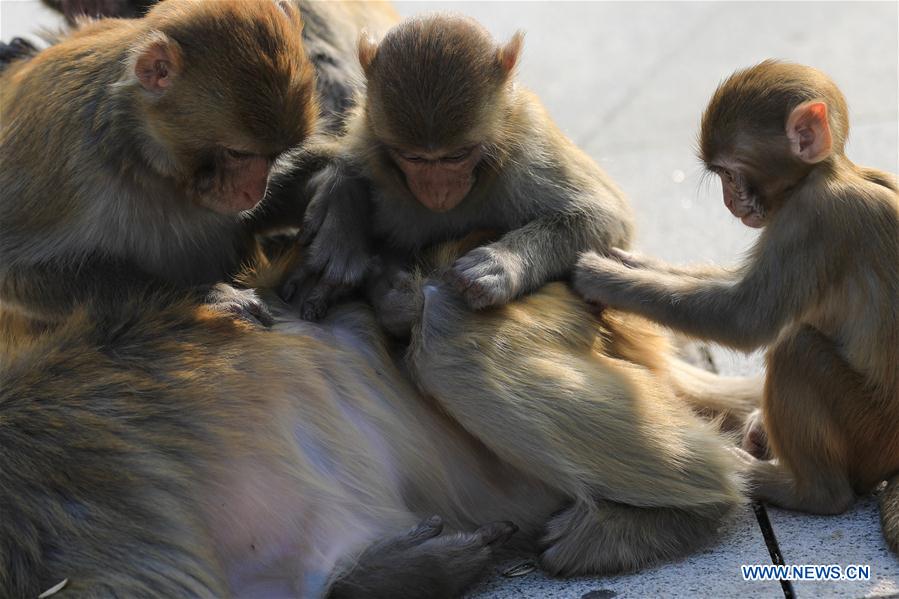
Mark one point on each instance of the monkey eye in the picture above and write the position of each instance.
(411, 157)
(458, 156)
(237, 154)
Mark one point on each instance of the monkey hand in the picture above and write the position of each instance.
(486, 276)
(311, 293)
(240, 303)
(395, 295)
(601, 280)
(337, 252)
(440, 564)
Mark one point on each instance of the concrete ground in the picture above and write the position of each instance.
(628, 82)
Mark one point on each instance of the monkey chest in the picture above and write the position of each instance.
(406, 225)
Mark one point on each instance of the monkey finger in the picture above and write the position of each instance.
(424, 530)
(496, 534)
(294, 282)
(250, 309)
(320, 298)
(629, 259)
(487, 291)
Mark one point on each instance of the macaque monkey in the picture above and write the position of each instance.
(176, 452)
(821, 288)
(173, 128)
(169, 131)
(446, 142)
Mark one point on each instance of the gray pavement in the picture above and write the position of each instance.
(628, 82)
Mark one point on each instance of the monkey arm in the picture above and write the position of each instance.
(338, 242)
(50, 292)
(745, 311)
(696, 271)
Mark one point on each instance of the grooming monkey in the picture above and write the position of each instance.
(172, 146)
(291, 462)
(446, 142)
(821, 288)
(183, 453)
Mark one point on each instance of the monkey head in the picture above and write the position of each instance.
(436, 101)
(223, 88)
(765, 129)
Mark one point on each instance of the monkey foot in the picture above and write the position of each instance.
(423, 562)
(755, 438)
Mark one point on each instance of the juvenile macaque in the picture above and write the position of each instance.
(446, 142)
(821, 288)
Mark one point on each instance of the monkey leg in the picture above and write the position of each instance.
(807, 386)
(604, 537)
(589, 425)
(422, 563)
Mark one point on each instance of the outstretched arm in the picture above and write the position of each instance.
(744, 311)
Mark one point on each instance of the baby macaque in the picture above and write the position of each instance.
(446, 142)
(820, 290)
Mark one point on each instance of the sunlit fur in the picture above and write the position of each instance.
(819, 290)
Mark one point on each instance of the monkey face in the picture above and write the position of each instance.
(740, 196)
(232, 181)
(439, 180)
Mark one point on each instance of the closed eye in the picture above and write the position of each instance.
(237, 154)
(458, 156)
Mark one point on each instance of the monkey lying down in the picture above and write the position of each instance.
(183, 453)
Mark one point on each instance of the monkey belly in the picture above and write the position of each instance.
(431, 463)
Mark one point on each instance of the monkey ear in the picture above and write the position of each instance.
(292, 12)
(368, 50)
(157, 62)
(507, 56)
(809, 132)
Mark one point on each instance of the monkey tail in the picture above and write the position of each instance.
(732, 397)
(889, 513)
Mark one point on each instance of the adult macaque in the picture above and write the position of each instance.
(449, 143)
(171, 128)
(183, 453)
(168, 129)
(821, 288)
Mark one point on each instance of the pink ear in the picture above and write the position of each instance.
(157, 64)
(809, 132)
(508, 54)
(368, 50)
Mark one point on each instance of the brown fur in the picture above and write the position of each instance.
(121, 209)
(228, 457)
(820, 289)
